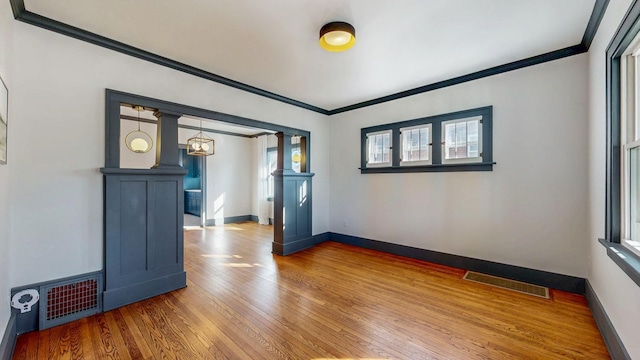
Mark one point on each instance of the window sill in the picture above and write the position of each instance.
(488, 166)
(625, 259)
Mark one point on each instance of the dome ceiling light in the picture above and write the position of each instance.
(337, 36)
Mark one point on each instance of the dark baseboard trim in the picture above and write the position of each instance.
(113, 299)
(254, 218)
(230, 220)
(543, 278)
(611, 339)
(9, 339)
(298, 245)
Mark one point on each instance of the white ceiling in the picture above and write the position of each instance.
(273, 45)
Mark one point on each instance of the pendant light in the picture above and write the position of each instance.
(337, 36)
(138, 141)
(200, 144)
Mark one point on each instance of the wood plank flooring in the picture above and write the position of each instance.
(332, 301)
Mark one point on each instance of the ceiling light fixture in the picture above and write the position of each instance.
(337, 36)
(200, 144)
(138, 141)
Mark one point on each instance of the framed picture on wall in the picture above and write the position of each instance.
(4, 116)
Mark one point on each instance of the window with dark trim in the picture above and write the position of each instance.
(622, 84)
(458, 141)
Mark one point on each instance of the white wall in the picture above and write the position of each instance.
(228, 176)
(6, 39)
(58, 144)
(530, 211)
(229, 170)
(619, 295)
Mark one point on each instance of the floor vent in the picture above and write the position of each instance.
(518, 286)
(70, 300)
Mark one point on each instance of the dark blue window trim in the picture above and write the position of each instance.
(623, 257)
(487, 144)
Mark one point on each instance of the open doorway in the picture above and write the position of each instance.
(194, 209)
(144, 190)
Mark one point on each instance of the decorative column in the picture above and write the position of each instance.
(292, 201)
(167, 140)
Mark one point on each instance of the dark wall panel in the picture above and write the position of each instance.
(166, 223)
(133, 222)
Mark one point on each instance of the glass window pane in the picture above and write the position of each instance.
(378, 148)
(462, 140)
(634, 193)
(415, 144)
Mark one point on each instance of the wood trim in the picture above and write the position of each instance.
(229, 220)
(9, 339)
(567, 283)
(135, 292)
(22, 14)
(609, 334)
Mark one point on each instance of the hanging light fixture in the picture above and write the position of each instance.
(296, 156)
(138, 141)
(200, 144)
(337, 36)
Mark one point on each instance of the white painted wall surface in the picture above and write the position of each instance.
(530, 211)
(619, 295)
(228, 175)
(59, 94)
(6, 40)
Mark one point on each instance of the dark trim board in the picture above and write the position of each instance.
(625, 259)
(229, 220)
(254, 218)
(22, 14)
(9, 339)
(609, 335)
(143, 290)
(299, 245)
(190, 127)
(567, 283)
(534, 60)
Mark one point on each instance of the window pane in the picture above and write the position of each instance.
(462, 140)
(379, 151)
(472, 138)
(634, 193)
(415, 144)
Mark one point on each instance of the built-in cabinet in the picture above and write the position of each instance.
(193, 202)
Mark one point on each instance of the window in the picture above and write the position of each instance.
(622, 205)
(416, 145)
(379, 148)
(272, 162)
(463, 143)
(630, 141)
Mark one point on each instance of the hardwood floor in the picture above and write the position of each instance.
(332, 301)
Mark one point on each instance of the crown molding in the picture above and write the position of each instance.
(22, 14)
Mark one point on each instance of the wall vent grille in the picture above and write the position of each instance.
(70, 300)
(521, 287)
